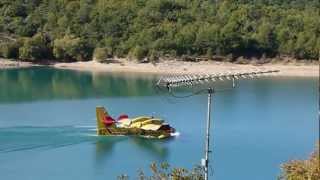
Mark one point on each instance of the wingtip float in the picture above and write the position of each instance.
(144, 126)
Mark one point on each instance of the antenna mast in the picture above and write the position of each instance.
(191, 80)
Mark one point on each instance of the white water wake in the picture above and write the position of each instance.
(175, 134)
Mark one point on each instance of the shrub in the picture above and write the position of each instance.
(302, 169)
(164, 171)
(139, 53)
(71, 48)
(154, 56)
(188, 58)
(241, 60)
(9, 50)
(209, 53)
(35, 48)
(101, 54)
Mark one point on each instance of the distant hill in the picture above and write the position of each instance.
(77, 30)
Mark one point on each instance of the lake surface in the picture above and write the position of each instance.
(47, 125)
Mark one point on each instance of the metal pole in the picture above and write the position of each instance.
(233, 82)
(210, 92)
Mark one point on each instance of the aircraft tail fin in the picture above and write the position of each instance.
(100, 113)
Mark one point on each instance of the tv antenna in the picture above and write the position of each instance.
(171, 82)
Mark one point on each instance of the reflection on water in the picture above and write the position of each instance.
(46, 83)
(105, 147)
(152, 146)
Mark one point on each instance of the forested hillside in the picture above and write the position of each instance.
(75, 30)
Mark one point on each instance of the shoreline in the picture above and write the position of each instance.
(10, 64)
(174, 67)
(180, 67)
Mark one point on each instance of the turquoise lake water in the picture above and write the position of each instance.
(47, 125)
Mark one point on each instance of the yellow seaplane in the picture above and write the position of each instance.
(144, 126)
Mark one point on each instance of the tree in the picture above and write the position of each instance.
(71, 48)
(230, 39)
(286, 41)
(101, 54)
(35, 48)
(138, 53)
(180, 27)
(10, 49)
(208, 38)
(304, 41)
(185, 39)
(266, 38)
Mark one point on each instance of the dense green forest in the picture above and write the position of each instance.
(78, 30)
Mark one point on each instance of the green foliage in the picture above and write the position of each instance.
(71, 48)
(292, 170)
(165, 172)
(266, 38)
(101, 54)
(9, 50)
(154, 56)
(138, 53)
(302, 169)
(35, 48)
(168, 27)
(207, 39)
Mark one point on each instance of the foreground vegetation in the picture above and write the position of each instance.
(302, 169)
(165, 172)
(293, 170)
(79, 30)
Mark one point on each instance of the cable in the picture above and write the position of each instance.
(211, 170)
(189, 95)
(200, 92)
(159, 90)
